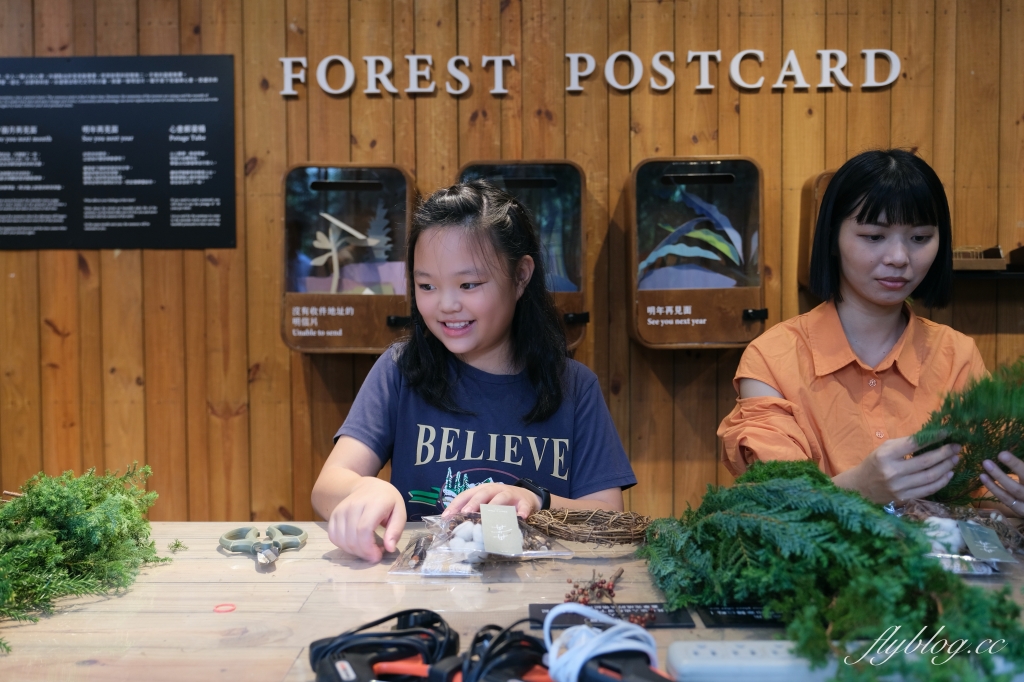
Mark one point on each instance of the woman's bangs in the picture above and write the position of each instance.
(902, 200)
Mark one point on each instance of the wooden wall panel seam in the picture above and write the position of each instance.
(21, 434)
(194, 325)
(619, 167)
(163, 293)
(652, 128)
(330, 387)
(586, 132)
(512, 103)
(226, 307)
(121, 300)
(1010, 317)
(695, 382)
(803, 137)
(58, 323)
(268, 359)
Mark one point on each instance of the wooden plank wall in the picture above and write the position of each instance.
(174, 358)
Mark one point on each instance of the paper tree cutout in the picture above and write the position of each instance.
(379, 230)
(334, 243)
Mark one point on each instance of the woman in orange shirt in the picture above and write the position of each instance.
(847, 384)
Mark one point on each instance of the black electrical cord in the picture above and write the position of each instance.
(418, 631)
(494, 648)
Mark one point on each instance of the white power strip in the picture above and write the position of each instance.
(754, 661)
(763, 661)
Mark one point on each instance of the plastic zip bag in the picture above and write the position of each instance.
(462, 533)
(964, 564)
(420, 558)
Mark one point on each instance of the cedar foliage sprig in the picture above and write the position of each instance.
(986, 417)
(69, 536)
(836, 567)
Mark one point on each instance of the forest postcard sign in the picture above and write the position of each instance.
(336, 74)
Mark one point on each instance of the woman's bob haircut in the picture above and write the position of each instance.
(898, 184)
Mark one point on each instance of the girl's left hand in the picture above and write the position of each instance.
(470, 500)
(1007, 490)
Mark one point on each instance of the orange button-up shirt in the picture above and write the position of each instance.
(836, 410)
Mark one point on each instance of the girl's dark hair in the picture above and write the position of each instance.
(908, 191)
(492, 217)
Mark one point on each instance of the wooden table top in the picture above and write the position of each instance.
(165, 626)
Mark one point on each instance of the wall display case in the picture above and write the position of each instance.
(345, 286)
(553, 193)
(694, 256)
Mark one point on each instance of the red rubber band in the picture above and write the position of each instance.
(223, 608)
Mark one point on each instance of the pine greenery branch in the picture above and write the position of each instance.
(67, 536)
(986, 417)
(836, 567)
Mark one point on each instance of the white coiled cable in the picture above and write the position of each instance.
(570, 652)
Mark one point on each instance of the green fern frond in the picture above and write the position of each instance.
(986, 417)
(72, 536)
(837, 568)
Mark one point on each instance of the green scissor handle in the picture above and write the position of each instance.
(240, 539)
(280, 535)
(286, 536)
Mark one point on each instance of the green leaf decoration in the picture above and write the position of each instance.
(704, 234)
(986, 417)
(838, 570)
(717, 218)
(72, 536)
(676, 250)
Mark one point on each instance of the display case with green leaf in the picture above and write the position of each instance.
(695, 245)
(553, 193)
(344, 260)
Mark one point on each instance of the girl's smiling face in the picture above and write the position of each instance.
(883, 264)
(466, 297)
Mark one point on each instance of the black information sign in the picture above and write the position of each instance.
(117, 152)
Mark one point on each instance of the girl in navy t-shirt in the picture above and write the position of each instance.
(481, 404)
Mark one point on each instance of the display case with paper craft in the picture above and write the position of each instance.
(345, 285)
(553, 193)
(695, 243)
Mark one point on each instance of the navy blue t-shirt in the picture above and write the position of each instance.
(435, 455)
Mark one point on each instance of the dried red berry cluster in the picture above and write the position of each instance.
(595, 591)
(642, 619)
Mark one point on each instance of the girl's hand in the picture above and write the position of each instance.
(470, 500)
(1007, 490)
(887, 475)
(371, 503)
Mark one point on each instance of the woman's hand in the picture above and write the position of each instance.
(887, 475)
(470, 500)
(371, 503)
(1006, 490)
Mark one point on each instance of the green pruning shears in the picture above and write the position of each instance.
(280, 536)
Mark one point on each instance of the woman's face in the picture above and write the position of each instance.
(466, 297)
(882, 264)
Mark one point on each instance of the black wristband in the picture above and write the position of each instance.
(543, 493)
